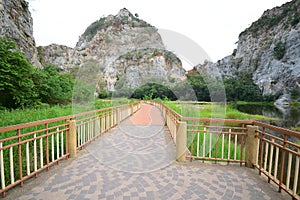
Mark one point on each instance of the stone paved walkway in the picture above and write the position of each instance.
(137, 161)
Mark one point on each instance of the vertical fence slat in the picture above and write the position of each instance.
(35, 153)
(27, 158)
(198, 142)
(266, 155)
(258, 145)
(78, 135)
(276, 163)
(20, 157)
(57, 143)
(288, 176)
(11, 164)
(223, 137)
(204, 139)
(52, 147)
(296, 174)
(41, 153)
(2, 168)
(62, 143)
(47, 145)
(271, 158)
(229, 141)
(210, 145)
(235, 146)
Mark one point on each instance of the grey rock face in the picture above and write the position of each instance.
(61, 56)
(256, 49)
(120, 48)
(16, 24)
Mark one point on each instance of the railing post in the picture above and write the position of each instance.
(72, 139)
(251, 146)
(181, 142)
(118, 115)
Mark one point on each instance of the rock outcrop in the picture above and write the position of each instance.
(120, 48)
(16, 24)
(66, 58)
(269, 51)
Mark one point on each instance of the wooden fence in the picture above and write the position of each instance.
(27, 149)
(228, 140)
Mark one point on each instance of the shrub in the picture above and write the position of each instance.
(279, 50)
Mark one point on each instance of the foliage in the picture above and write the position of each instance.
(289, 12)
(153, 90)
(103, 94)
(94, 27)
(16, 85)
(207, 110)
(22, 85)
(240, 88)
(52, 87)
(295, 94)
(279, 50)
(196, 80)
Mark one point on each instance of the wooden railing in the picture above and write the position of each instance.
(27, 149)
(171, 118)
(224, 140)
(218, 140)
(278, 157)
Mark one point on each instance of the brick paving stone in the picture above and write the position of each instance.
(136, 160)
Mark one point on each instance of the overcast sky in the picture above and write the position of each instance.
(212, 24)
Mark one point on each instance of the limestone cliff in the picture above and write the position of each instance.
(16, 24)
(116, 48)
(269, 50)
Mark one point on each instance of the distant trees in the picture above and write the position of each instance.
(199, 87)
(152, 91)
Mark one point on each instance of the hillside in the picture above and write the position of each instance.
(116, 48)
(268, 51)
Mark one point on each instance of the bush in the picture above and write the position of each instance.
(153, 91)
(24, 86)
(279, 50)
(16, 85)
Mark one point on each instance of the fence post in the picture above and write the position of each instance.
(251, 146)
(72, 139)
(181, 142)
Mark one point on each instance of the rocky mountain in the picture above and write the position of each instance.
(120, 49)
(16, 24)
(269, 51)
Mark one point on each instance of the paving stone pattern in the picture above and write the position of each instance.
(136, 160)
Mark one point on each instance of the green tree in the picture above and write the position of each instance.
(16, 84)
(153, 91)
(53, 87)
(198, 84)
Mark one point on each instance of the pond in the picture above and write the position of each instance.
(289, 117)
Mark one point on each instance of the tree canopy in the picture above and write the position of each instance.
(23, 85)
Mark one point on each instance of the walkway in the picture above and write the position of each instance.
(137, 161)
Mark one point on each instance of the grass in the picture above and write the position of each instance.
(213, 110)
(209, 110)
(297, 128)
(20, 116)
(197, 149)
